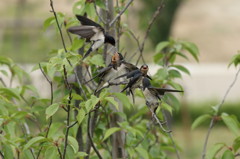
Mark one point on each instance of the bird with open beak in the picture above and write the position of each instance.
(92, 32)
(153, 94)
(135, 79)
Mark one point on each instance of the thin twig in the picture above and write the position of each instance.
(59, 152)
(90, 137)
(120, 13)
(4, 84)
(156, 13)
(58, 25)
(99, 17)
(170, 136)
(216, 113)
(1, 154)
(68, 111)
(111, 84)
(51, 102)
(63, 42)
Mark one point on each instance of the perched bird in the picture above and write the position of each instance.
(135, 77)
(153, 94)
(108, 73)
(92, 32)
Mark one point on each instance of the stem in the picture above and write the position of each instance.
(51, 102)
(156, 13)
(120, 13)
(212, 123)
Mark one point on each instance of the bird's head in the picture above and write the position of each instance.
(115, 59)
(146, 83)
(109, 39)
(144, 69)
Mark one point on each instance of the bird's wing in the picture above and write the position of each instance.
(85, 21)
(101, 72)
(129, 67)
(84, 31)
(129, 74)
(133, 80)
(162, 91)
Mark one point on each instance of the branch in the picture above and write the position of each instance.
(216, 113)
(68, 111)
(51, 102)
(170, 136)
(4, 84)
(112, 84)
(59, 28)
(157, 12)
(99, 17)
(120, 13)
(1, 154)
(90, 137)
(59, 152)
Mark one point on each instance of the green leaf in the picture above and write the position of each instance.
(80, 115)
(73, 142)
(4, 72)
(124, 99)
(51, 110)
(10, 93)
(100, 4)
(231, 123)
(34, 140)
(111, 100)
(81, 154)
(157, 58)
(97, 60)
(236, 144)
(48, 22)
(235, 60)
(51, 152)
(181, 68)
(200, 120)
(142, 152)
(174, 74)
(214, 150)
(91, 103)
(191, 48)
(161, 46)
(162, 74)
(6, 61)
(167, 107)
(110, 132)
(228, 155)
(77, 43)
(7, 151)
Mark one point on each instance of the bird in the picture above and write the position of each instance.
(153, 94)
(135, 79)
(110, 72)
(92, 32)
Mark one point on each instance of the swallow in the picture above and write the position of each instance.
(108, 73)
(153, 94)
(135, 77)
(92, 32)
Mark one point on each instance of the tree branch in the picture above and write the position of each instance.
(63, 42)
(99, 17)
(4, 84)
(120, 13)
(90, 137)
(216, 113)
(156, 13)
(68, 111)
(51, 102)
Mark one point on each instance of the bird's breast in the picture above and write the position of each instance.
(150, 98)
